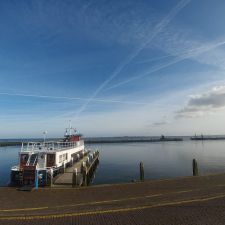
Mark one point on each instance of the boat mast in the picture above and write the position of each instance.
(70, 127)
(45, 133)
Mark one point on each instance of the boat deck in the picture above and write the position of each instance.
(50, 146)
(66, 178)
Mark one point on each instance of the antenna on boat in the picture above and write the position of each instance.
(45, 133)
(70, 127)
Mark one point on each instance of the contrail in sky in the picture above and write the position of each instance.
(158, 28)
(180, 58)
(72, 98)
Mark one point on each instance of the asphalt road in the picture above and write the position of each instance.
(190, 200)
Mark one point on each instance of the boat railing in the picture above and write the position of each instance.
(50, 146)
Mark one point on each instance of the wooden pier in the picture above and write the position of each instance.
(190, 200)
(80, 173)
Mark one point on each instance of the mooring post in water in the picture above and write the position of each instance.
(75, 177)
(36, 180)
(142, 174)
(51, 177)
(84, 175)
(64, 167)
(72, 161)
(195, 167)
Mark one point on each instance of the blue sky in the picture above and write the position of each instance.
(112, 67)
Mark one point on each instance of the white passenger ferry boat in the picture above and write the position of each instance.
(47, 158)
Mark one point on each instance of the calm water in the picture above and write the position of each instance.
(120, 162)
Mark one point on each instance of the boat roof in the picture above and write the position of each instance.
(50, 146)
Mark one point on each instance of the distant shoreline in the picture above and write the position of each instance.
(124, 139)
(5, 144)
(102, 140)
(130, 139)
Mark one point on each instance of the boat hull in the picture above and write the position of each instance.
(44, 164)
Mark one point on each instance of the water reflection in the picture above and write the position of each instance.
(120, 162)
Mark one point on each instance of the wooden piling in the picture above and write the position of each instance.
(84, 175)
(74, 182)
(142, 175)
(61, 170)
(51, 177)
(72, 161)
(195, 167)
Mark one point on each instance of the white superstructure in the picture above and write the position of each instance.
(47, 157)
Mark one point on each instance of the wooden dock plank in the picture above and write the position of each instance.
(82, 179)
(66, 178)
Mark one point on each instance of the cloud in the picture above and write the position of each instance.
(204, 103)
(191, 53)
(157, 29)
(73, 98)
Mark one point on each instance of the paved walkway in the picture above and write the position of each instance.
(190, 200)
(66, 178)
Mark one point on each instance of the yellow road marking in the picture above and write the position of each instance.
(94, 202)
(80, 204)
(109, 201)
(186, 191)
(112, 210)
(25, 209)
